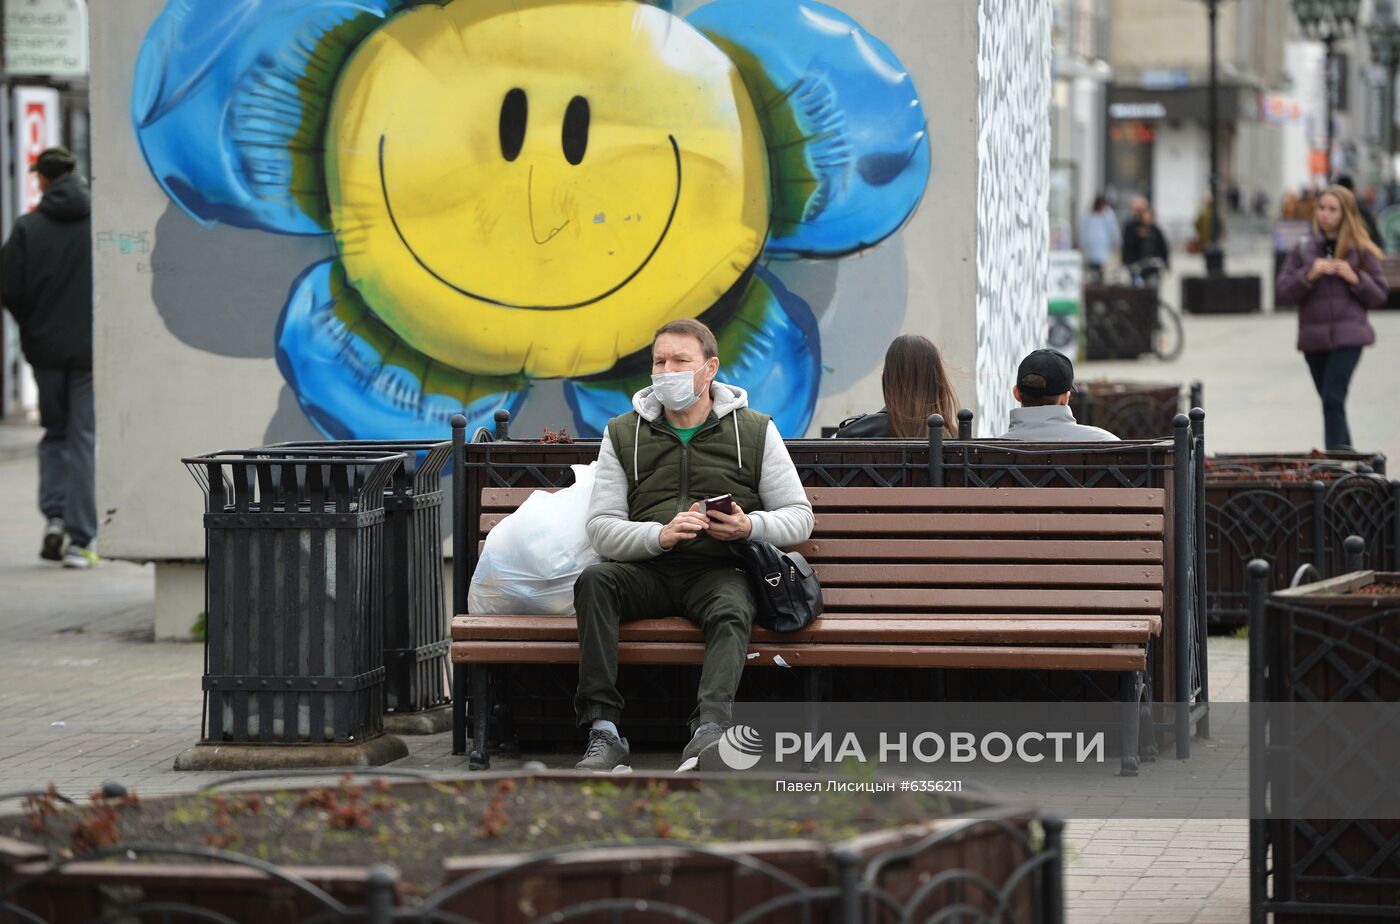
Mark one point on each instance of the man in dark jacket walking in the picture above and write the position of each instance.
(46, 282)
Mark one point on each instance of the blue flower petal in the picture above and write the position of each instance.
(229, 103)
(330, 349)
(771, 349)
(846, 133)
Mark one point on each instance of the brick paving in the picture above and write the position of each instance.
(76, 649)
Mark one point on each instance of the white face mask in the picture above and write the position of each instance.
(675, 390)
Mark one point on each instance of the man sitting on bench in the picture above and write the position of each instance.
(1043, 383)
(688, 438)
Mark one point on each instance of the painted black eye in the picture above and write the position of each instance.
(514, 112)
(576, 130)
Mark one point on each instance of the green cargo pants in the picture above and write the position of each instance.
(711, 592)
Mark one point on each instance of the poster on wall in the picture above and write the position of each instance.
(515, 192)
(1064, 289)
(38, 125)
(36, 118)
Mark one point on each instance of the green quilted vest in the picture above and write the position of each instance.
(665, 476)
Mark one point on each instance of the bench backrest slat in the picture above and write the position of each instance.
(974, 550)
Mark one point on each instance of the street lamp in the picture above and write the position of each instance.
(1214, 253)
(1385, 51)
(1326, 21)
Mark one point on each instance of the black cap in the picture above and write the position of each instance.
(54, 163)
(1045, 373)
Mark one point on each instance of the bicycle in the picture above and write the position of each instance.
(1168, 337)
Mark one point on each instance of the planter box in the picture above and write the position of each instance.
(1221, 294)
(1130, 411)
(1331, 641)
(1291, 511)
(989, 856)
(1118, 321)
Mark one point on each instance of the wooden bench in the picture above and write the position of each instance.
(1060, 579)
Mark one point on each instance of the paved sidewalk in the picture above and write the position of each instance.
(18, 439)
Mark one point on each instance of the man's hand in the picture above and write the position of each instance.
(686, 525)
(729, 526)
(1343, 268)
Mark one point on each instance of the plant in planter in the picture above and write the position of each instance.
(508, 847)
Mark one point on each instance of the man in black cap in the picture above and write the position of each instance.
(1043, 384)
(46, 282)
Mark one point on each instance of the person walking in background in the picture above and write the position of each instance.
(1144, 240)
(1307, 202)
(1139, 207)
(1334, 277)
(1099, 237)
(916, 385)
(1206, 231)
(1044, 381)
(1368, 219)
(46, 283)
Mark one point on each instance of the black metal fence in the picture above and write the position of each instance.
(1291, 518)
(294, 608)
(1132, 410)
(1307, 648)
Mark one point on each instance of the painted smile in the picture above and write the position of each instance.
(384, 186)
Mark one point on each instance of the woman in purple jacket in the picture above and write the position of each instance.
(1334, 276)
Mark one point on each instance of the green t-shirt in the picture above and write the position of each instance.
(685, 433)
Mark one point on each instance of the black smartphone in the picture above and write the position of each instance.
(722, 504)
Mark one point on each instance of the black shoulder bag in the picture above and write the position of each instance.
(784, 585)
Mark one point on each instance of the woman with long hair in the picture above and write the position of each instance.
(1334, 276)
(916, 385)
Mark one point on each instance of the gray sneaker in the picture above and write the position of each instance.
(606, 753)
(703, 750)
(52, 549)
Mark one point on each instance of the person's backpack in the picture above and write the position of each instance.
(784, 585)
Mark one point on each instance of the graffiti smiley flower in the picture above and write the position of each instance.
(521, 190)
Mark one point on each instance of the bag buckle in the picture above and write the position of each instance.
(775, 579)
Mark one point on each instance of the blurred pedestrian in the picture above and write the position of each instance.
(1207, 232)
(1307, 203)
(1099, 238)
(1144, 240)
(1345, 181)
(46, 282)
(1334, 277)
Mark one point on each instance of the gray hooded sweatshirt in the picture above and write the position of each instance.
(785, 520)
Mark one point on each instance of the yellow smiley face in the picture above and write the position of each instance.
(536, 186)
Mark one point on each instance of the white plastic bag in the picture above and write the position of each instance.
(531, 560)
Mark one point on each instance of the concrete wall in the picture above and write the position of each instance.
(1154, 34)
(186, 312)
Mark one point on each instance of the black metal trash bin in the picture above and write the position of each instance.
(292, 652)
(417, 673)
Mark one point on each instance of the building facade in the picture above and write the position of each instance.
(1156, 138)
